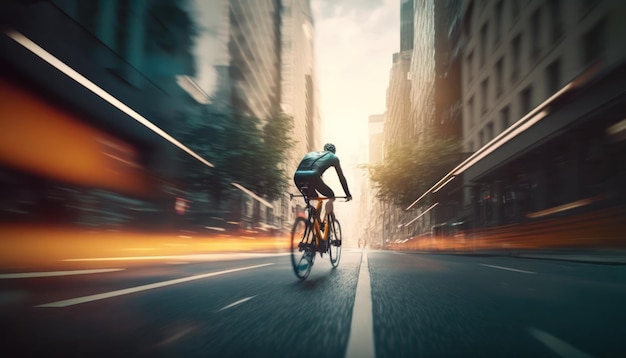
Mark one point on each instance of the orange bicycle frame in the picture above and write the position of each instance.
(316, 222)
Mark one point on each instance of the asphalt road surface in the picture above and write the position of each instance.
(376, 303)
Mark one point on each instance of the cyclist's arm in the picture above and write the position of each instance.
(342, 178)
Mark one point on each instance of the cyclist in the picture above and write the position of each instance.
(308, 176)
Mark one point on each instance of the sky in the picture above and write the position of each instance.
(354, 43)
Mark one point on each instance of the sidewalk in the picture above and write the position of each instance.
(593, 256)
(598, 256)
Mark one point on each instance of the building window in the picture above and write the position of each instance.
(481, 139)
(553, 76)
(536, 34)
(499, 74)
(484, 91)
(504, 118)
(121, 27)
(467, 26)
(470, 112)
(587, 5)
(594, 44)
(556, 19)
(489, 132)
(516, 48)
(470, 66)
(483, 44)
(498, 25)
(526, 100)
(515, 11)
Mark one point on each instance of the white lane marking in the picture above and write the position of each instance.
(236, 303)
(55, 273)
(203, 257)
(126, 291)
(509, 269)
(559, 347)
(361, 341)
(178, 335)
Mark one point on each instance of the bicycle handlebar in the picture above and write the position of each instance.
(291, 196)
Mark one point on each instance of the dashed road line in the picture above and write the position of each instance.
(509, 269)
(55, 273)
(559, 346)
(361, 341)
(126, 291)
(236, 303)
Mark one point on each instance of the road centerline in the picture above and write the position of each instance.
(361, 340)
(509, 269)
(126, 291)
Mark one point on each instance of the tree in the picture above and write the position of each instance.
(409, 170)
(242, 151)
(277, 143)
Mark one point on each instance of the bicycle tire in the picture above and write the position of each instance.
(334, 241)
(302, 251)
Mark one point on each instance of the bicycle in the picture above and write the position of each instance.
(312, 235)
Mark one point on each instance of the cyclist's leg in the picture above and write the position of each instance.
(306, 185)
(326, 191)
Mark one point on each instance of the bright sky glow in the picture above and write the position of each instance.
(354, 44)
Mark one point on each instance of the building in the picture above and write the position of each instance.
(422, 70)
(254, 47)
(136, 62)
(374, 233)
(299, 89)
(543, 111)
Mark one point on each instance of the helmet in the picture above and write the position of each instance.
(330, 147)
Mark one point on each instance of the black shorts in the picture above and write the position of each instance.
(310, 184)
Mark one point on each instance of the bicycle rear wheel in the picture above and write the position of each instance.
(302, 250)
(334, 240)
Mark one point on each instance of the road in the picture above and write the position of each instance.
(422, 305)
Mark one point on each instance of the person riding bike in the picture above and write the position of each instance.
(308, 176)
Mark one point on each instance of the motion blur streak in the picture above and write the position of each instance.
(54, 248)
(48, 57)
(56, 273)
(590, 230)
(38, 137)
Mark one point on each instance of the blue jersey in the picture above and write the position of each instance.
(316, 163)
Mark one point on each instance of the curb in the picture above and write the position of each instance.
(609, 259)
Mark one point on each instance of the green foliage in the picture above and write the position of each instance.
(409, 170)
(243, 152)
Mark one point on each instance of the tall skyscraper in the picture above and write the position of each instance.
(407, 15)
(254, 49)
(422, 72)
(299, 90)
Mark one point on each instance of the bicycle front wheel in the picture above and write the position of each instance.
(302, 253)
(334, 240)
